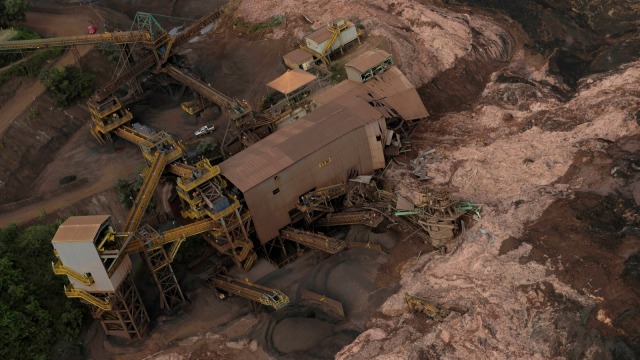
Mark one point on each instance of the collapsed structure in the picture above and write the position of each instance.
(255, 200)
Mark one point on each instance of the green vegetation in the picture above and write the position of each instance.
(338, 73)
(249, 28)
(32, 64)
(110, 51)
(67, 84)
(205, 146)
(34, 313)
(8, 57)
(12, 10)
(128, 190)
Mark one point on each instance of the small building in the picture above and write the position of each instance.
(322, 148)
(321, 43)
(76, 244)
(299, 59)
(367, 65)
(331, 37)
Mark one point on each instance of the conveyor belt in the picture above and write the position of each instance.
(313, 240)
(146, 192)
(246, 289)
(205, 90)
(121, 37)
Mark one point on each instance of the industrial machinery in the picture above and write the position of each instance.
(249, 200)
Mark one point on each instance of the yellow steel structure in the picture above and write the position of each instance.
(335, 30)
(120, 37)
(134, 136)
(258, 293)
(60, 269)
(235, 107)
(369, 218)
(151, 180)
(313, 240)
(71, 292)
(206, 173)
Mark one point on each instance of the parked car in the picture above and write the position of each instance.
(205, 130)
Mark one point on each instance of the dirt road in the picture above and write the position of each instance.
(47, 25)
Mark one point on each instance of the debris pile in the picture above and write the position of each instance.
(419, 164)
(437, 218)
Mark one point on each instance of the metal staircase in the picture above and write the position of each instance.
(72, 292)
(60, 269)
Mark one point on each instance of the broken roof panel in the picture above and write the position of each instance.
(368, 60)
(291, 81)
(391, 88)
(286, 146)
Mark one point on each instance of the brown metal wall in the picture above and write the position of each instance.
(355, 150)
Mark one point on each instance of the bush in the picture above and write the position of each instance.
(67, 84)
(249, 28)
(8, 57)
(127, 192)
(12, 10)
(34, 312)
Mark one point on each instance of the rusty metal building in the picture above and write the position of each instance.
(336, 140)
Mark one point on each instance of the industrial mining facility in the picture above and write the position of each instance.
(317, 180)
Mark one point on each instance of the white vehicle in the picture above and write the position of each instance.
(205, 130)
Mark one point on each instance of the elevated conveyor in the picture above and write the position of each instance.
(368, 218)
(151, 180)
(120, 37)
(133, 135)
(235, 107)
(164, 47)
(313, 240)
(254, 292)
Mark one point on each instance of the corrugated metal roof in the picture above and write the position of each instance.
(291, 81)
(390, 87)
(298, 56)
(368, 60)
(79, 228)
(283, 148)
(319, 36)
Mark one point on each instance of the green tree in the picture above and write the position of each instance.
(67, 84)
(34, 313)
(12, 10)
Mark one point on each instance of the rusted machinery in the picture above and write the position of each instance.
(417, 304)
(369, 218)
(313, 240)
(254, 292)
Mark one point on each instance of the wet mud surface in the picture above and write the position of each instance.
(590, 240)
(579, 37)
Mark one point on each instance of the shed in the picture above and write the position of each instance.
(291, 81)
(370, 63)
(298, 59)
(319, 149)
